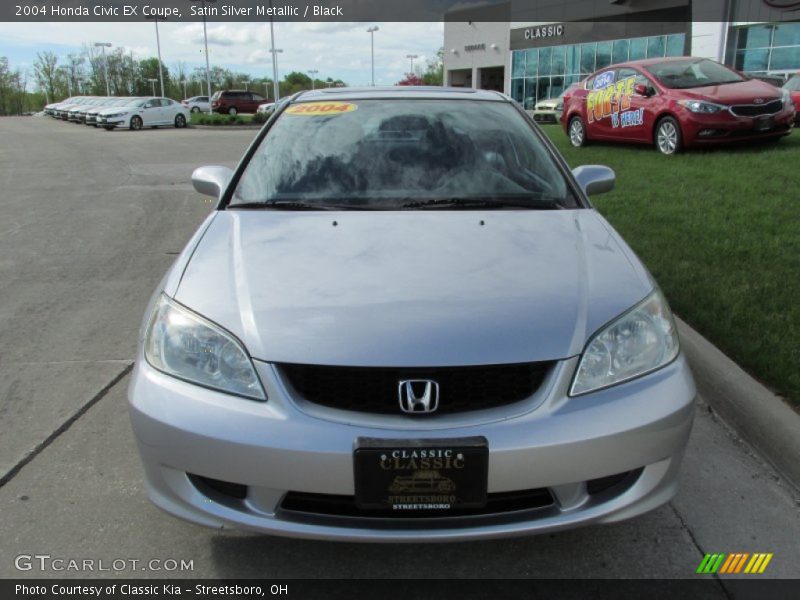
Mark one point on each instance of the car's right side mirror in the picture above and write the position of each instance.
(595, 179)
(211, 181)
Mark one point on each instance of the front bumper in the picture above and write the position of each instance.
(546, 115)
(283, 447)
(724, 127)
(115, 122)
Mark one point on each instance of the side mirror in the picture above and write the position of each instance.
(641, 89)
(595, 179)
(211, 181)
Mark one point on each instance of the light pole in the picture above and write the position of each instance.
(371, 31)
(105, 45)
(158, 45)
(205, 38)
(274, 51)
(183, 81)
(152, 81)
(411, 57)
(313, 73)
(246, 85)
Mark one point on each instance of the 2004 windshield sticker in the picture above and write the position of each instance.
(612, 99)
(320, 109)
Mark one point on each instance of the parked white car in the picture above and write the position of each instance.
(267, 108)
(197, 104)
(144, 112)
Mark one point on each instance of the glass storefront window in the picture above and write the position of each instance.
(655, 47)
(587, 58)
(558, 61)
(620, 52)
(518, 89)
(545, 55)
(786, 34)
(556, 86)
(529, 96)
(784, 59)
(543, 88)
(675, 44)
(752, 60)
(638, 49)
(757, 36)
(531, 62)
(603, 58)
(518, 64)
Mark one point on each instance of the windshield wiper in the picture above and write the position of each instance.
(491, 204)
(282, 205)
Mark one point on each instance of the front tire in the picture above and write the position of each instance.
(136, 123)
(577, 132)
(180, 121)
(195, 109)
(232, 111)
(668, 138)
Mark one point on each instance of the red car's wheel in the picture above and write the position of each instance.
(577, 132)
(668, 138)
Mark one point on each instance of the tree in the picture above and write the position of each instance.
(45, 69)
(411, 79)
(434, 73)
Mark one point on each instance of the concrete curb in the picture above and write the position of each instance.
(225, 127)
(761, 417)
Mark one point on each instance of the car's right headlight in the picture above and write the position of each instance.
(639, 341)
(698, 106)
(183, 344)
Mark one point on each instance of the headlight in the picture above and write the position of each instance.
(185, 345)
(560, 106)
(115, 115)
(787, 99)
(697, 106)
(640, 341)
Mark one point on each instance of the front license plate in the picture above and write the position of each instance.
(764, 123)
(421, 475)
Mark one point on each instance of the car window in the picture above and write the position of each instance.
(685, 74)
(793, 85)
(638, 77)
(257, 97)
(387, 153)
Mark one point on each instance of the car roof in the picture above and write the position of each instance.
(646, 62)
(398, 91)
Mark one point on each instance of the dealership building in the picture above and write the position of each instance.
(534, 49)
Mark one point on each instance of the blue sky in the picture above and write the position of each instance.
(337, 50)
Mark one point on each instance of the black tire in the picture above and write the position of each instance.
(180, 121)
(576, 130)
(195, 109)
(232, 111)
(136, 123)
(108, 128)
(668, 138)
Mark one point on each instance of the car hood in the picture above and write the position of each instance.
(116, 109)
(412, 288)
(735, 93)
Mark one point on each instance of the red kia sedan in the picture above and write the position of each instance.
(675, 103)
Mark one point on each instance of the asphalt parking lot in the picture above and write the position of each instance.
(89, 222)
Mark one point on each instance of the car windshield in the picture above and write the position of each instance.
(793, 85)
(401, 154)
(682, 74)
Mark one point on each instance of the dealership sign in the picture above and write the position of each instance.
(545, 31)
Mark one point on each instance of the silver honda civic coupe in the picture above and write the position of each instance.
(404, 321)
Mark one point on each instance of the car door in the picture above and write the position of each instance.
(637, 112)
(151, 112)
(600, 106)
(168, 111)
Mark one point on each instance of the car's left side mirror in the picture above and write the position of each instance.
(595, 179)
(211, 181)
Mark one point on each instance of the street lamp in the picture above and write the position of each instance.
(411, 57)
(183, 81)
(274, 51)
(105, 45)
(158, 45)
(313, 73)
(152, 81)
(371, 31)
(246, 85)
(205, 38)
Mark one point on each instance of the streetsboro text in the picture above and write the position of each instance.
(228, 10)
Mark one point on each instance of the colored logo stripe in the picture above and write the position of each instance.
(734, 563)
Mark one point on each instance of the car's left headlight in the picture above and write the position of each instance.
(698, 106)
(183, 344)
(639, 341)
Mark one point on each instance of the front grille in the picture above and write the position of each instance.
(755, 110)
(298, 504)
(375, 390)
